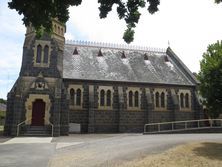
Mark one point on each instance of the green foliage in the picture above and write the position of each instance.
(3, 101)
(128, 35)
(41, 12)
(210, 76)
(2, 114)
(218, 1)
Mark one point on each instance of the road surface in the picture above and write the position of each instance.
(86, 150)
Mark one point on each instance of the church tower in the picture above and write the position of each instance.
(35, 101)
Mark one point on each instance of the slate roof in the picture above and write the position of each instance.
(89, 64)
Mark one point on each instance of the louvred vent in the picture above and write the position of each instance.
(75, 51)
(166, 58)
(146, 57)
(100, 53)
(123, 55)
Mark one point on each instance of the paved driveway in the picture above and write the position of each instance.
(90, 149)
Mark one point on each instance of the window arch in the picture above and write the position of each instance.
(108, 98)
(72, 96)
(157, 95)
(39, 54)
(61, 31)
(46, 54)
(58, 30)
(78, 97)
(55, 28)
(130, 99)
(102, 97)
(162, 100)
(136, 99)
(181, 100)
(187, 100)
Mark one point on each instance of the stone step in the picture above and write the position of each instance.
(36, 131)
(36, 135)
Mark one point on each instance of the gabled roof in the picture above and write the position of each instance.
(162, 66)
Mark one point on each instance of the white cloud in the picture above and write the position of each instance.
(11, 42)
(86, 20)
(189, 25)
(69, 36)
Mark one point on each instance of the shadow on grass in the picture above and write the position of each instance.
(210, 150)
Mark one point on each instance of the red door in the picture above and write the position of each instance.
(38, 112)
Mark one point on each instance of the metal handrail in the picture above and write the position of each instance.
(29, 120)
(185, 124)
(50, 124)
(21, 124)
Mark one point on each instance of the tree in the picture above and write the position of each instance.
(2, 101)
(41, 12)
(218, 1)
(210, 76)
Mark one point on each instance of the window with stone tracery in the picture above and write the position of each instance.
(133, 98)
(42, 52)
(76, 96)
(160, 99)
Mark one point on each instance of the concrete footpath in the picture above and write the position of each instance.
(85, 150)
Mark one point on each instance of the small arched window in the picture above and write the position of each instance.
(72, 96)
(55, 28)
(187, 100)
(162, 101)
(46, 54)
(61, 31)
(39, 54)
(108, 98)
(78, 97)
(181, 100)
(58, 30)
(136, 99)
(130, 99)
(157, 95)
(102, 97)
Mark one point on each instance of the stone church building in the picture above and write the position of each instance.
(91, 87)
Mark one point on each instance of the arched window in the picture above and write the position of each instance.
(72, 97)
(136, 99)
(39, 54)
(102, 97)
(78, 97)
(187, 100)
(181, 100)
(46, 54)
(55, 28)
(58, 30)
(162, 100)
(108, 98)
(157, 95)
(130, 99)
(61, 31)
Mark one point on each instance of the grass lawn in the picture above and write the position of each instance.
(204, 154)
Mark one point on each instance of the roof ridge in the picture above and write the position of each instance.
(115, 46)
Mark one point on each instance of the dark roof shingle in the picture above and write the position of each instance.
(110, 66)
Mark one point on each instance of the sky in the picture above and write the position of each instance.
(187, 26)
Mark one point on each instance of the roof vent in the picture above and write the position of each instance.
(75, 51)
(123, 55)
(100, 53)
(146, 57)
(166, 58)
